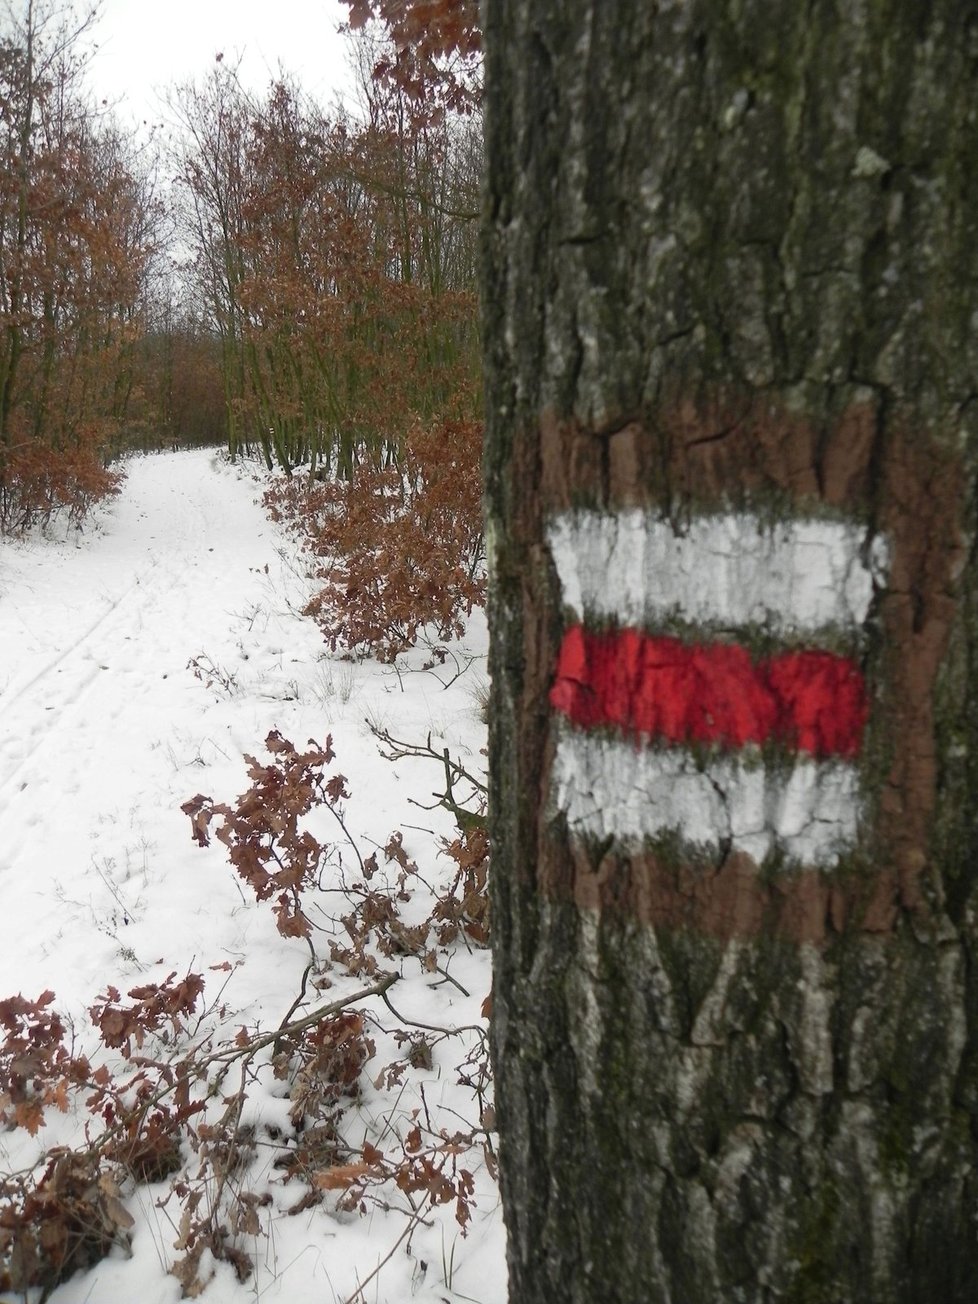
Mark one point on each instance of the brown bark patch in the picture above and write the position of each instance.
(729, 900)
(717, 450)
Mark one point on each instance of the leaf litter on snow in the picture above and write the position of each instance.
(263, 1136)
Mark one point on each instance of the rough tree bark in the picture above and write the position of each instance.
(731, 259)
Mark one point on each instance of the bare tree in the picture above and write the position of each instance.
(79, 225)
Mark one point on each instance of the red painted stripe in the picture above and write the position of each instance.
(810, 701)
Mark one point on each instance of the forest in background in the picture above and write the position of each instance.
(297, 282)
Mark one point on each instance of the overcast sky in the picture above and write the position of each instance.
(146, 45)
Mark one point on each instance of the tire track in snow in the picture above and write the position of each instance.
(154, 556)
(16, 749)
(10, 696)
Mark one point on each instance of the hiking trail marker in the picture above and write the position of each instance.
(708, 682)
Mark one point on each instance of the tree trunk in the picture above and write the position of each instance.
(731, 255)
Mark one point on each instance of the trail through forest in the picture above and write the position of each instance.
(98, 633)
(139, 659)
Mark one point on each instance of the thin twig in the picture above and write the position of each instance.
(307, 1021)
(430, 1027)
(297, 1002)
(352, 1299)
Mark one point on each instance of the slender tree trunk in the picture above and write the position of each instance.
(10, 358)
(731, 262)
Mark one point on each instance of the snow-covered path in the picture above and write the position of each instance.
(105, 729)
(94, 647)
(151, 599)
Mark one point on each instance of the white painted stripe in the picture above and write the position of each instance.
(609, 788)
(722, 571)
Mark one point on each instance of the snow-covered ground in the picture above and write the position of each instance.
(105, 729)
